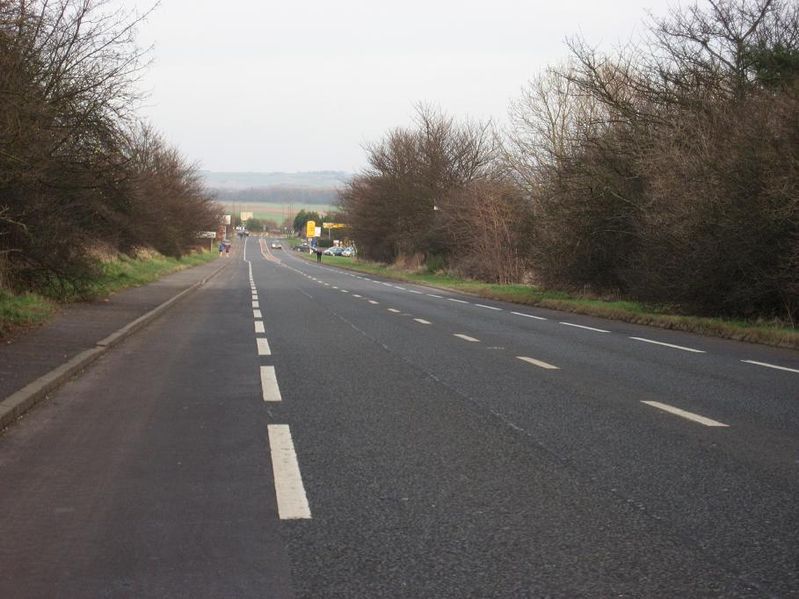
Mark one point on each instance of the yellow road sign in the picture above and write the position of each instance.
(310, 228)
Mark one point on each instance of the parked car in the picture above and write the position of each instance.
(348, 252)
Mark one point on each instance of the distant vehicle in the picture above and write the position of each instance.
(275, 245)
(303, 247)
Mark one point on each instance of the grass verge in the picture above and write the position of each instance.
(764, 333)
(29, 309)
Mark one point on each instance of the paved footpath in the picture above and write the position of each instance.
(79, 333)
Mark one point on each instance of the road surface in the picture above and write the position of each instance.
(293, 430)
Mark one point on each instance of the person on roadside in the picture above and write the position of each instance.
(227, 250)
(221, 247)
(319, 255)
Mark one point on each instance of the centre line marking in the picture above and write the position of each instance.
(256, 314)
(767, 365)
(488, 307)
(394, 310)
(538, 363)
(334, 287)
(373, 302)
(388, 284)
(452, 299)
(269, 388)
(344, 291)
(414, 291)
(690, 349)
(255, 304)
(528, 315)
(259, 326)
(356, 295)
(400, 288)
(263, 346)
(434, 295)
(422, 321)
(292, 501)
(582, 326)
(466, 337)
(687, 415)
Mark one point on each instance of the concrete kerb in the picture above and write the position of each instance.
(19, 402)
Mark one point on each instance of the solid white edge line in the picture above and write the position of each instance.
(488, 307)
(422, 321)
(259, 326)
(767, 365)
(529, 315)
(690, 349)
(538, 363)
(465, 337)
(263, 346)
(292, 501)
(582, 326)
(687, 415)
(270, 391)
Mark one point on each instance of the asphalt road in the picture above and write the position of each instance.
(379, 439)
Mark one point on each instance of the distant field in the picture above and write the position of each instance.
(275, 212)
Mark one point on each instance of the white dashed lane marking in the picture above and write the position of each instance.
(256, 314)
(292, 501)
(422, 321)
(259, 326)
(466, 337)
(687, 415)
(270, 391)
(690, 349)
(263, 346)
(457, 301)
(767, 365)
(581, 326)
(528, 315)
(394, 310)
(538, 363)
(488, 307)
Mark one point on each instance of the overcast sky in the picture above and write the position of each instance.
(253, 85)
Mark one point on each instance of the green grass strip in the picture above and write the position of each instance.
(27, 309)
(30, 309)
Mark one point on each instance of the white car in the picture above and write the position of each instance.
(275, 245)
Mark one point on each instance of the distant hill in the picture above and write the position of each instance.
(310, 179)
